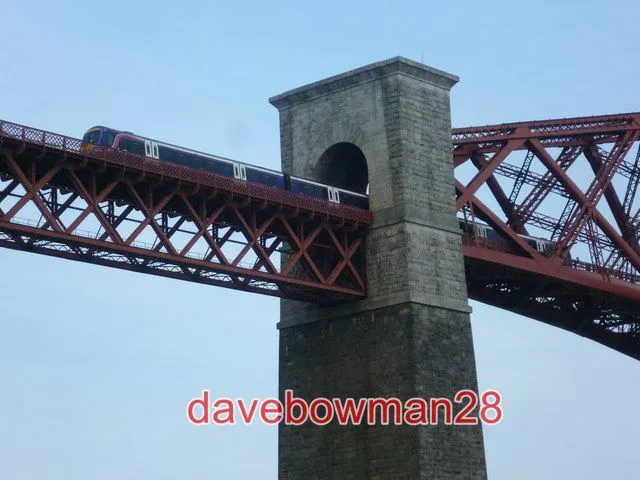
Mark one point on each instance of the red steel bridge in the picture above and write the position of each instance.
(571, 181)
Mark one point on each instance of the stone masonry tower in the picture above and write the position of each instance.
(388, 126)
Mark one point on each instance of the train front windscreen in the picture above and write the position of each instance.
(99, 136)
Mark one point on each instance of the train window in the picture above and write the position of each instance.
(208, 165)
(316, 191)
(225, 169)
(184, 158)
(108, 137)
(196, 162)
(356, 201)
(132, 146)
(166, 155)
(259, 177)
(138, 147)
(214, 166)
(493, 235)
(92, 136)
(308, 189)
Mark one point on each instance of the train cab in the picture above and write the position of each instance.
(98, 135)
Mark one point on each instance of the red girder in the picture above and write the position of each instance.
(166, 219)
(598, 298)
(559, 133)
(151, 216)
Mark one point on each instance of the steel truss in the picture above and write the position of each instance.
(571, 181)
(112, 208)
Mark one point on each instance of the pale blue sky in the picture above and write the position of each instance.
(97, 365)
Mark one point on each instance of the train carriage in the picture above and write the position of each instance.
(542, 245)
(129, 142)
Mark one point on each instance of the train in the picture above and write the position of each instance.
(137, 145)
(544, 246)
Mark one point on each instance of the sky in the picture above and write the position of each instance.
(97, 364)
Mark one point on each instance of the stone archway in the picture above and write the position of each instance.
(343, 165)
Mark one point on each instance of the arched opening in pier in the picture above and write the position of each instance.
(344, 165)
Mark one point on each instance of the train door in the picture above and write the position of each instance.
(481, 231)
(334, 194)
(151, 149)
(240, 171)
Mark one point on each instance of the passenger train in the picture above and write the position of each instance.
(129, 142)
(542, 245)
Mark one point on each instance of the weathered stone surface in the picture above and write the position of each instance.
(412, 335)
